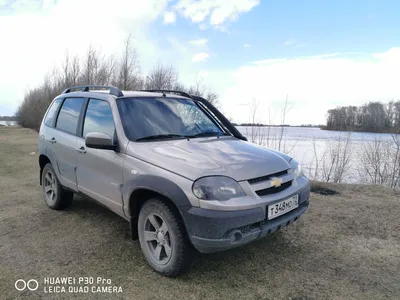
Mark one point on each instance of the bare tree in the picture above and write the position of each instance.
(91, 64)
(381, 162)
(336, 160)
(128, 75)
(256, 133)
(75, 70)
(314, 167)
(285, 111)
(200, 89)
(164, 77)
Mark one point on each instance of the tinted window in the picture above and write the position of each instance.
(51, 114)
(69, 115)
(98, 118)
(144, 117)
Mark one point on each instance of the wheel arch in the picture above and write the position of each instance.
(146, 187)
(43, 160)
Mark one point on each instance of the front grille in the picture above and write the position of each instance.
(274, 190)
(267, 177)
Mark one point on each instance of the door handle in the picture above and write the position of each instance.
(53, 140)
(81, 150)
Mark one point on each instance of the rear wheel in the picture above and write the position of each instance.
(55, 195)
(163, 238)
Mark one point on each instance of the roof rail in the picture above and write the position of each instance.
(86, 88)
(180, 93)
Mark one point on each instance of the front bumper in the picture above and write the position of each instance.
(213, 230)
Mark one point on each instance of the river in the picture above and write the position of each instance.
(309, 145)
(8, 123)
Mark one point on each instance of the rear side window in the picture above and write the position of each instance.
(98, 118)
(49, 121)
(69, 115)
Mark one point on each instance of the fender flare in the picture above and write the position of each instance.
(157, 184)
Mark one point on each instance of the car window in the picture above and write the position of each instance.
(51, 113)
(98, 118)
(69, 114)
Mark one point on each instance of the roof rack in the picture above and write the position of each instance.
(180, 93)
(86, 88)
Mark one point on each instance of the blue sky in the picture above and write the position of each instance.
(319, 53)
(284, 29)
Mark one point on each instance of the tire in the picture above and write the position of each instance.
(55, 196)
(168, 238)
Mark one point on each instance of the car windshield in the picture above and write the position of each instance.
(164, 118)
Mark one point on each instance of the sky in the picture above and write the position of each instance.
(316, 54)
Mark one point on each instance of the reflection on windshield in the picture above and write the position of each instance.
(164, 117)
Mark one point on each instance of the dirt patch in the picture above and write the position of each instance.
(345, 246)
(323, 191)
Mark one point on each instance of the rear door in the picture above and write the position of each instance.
(62, 141)
(99, 172)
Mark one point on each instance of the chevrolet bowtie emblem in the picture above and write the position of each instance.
(276, 182)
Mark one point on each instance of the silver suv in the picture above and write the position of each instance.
(172, 165)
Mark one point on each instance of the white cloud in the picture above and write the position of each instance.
(280, 60)
(294, 43)
(199, 42)
(314, 84)
(203, 74)
(247, 46)
(217, 12)
(203, 26)
(200, 57)
(169, 17)
(38, 36)
(289, 42)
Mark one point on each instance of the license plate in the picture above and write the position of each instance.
(280, 208)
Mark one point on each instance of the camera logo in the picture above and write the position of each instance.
(31, 285)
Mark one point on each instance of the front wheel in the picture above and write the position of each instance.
(163, 238)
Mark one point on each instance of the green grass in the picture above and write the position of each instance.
(346, 246)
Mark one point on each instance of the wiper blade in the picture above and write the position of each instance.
(208, 133)
(160, 137)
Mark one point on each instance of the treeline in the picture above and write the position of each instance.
(8, 118)
(371, 117)
(93, 68)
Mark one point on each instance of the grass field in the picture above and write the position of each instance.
(346, 246)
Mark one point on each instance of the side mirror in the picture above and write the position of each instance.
(99, 140)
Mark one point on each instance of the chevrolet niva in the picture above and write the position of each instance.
(172, 165)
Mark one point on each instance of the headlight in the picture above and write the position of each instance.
(296, 169)
(217, 188)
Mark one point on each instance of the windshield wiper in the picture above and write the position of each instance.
(208, 133)
(160, 137)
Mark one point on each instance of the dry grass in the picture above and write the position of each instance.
(345, 247)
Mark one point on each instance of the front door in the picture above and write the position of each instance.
(99, 172)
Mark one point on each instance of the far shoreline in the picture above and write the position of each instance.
(324, 128)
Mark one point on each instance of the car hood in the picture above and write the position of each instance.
(200, 157)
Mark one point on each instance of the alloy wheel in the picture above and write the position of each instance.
(157, 238)
(50, 186)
